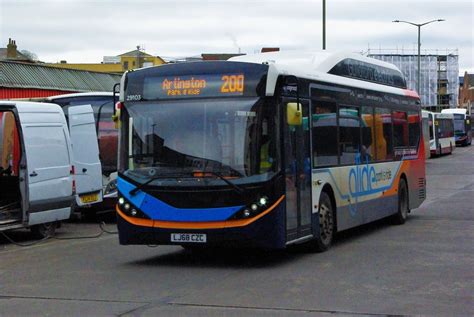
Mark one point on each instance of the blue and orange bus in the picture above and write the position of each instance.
(266, 150)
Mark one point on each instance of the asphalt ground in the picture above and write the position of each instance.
(425, 267)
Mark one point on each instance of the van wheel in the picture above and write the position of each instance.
(326, 225)
(401, 216)
(43, 230)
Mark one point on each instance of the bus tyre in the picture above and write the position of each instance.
(43, 230)
(326, 224)
(401, 216)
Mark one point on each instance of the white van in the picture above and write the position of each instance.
(36, 173)
(86, 159)
(103, 107)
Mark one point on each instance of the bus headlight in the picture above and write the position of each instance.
(129, 209)
(252, 209)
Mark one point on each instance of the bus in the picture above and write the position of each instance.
(442, 134)
(266, 150)
(427, 125)
(462, 126)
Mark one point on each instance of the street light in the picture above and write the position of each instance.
(324, 24)
(419, 45)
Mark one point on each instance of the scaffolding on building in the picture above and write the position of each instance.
(439, 73)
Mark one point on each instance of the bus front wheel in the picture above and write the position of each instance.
(401, 216)
(326, 224)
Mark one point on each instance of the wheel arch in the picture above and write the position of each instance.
(327, 188)
(404, 177)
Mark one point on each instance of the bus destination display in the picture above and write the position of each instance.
(194, 86)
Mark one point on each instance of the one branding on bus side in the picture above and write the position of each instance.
(364, 180)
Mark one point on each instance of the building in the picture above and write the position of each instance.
(466, 93)
(138, 59)
(32, 80)
(11, 53)
(116, 64)
(439, 85)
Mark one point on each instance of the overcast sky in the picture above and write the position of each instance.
(85, 30)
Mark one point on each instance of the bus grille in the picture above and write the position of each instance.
(421, 188)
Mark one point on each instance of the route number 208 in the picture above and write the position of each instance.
(232, 83)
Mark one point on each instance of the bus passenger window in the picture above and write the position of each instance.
(400, 133)
(368, 134)
(414, 130)
(324, 133)
(349, 135)
(400, 129)
(383, 130)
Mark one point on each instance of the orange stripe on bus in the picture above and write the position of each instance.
(196, 225)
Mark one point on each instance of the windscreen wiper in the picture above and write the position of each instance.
(151, 179)
(239, 190)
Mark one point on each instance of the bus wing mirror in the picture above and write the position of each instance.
(116, 118)
(293, 114)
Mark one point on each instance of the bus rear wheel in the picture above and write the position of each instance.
(326, 224)
(401, 216)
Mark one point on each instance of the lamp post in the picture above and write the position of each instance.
(418, 25)
(324, 24)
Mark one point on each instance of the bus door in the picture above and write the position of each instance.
(297, 173)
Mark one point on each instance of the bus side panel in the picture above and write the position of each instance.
(416, 176)
(367, 192)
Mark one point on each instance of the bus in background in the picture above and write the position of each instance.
(462, 126)
(103, 106)
(442, 134)
(266, 150)
(427, 126)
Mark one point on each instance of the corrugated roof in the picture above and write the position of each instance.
(23, 75)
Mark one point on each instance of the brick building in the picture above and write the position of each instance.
(466, 93)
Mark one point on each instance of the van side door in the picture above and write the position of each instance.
(86, 161)
(48, 166)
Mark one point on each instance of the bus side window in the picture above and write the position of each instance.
(414, 130)
(400, 133)
(324, 133)
(349, 134)
(383, 130)
(368, 134)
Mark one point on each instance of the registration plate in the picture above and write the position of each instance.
(189, 237)
(89, 198)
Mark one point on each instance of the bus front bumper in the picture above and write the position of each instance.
(267, 232)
